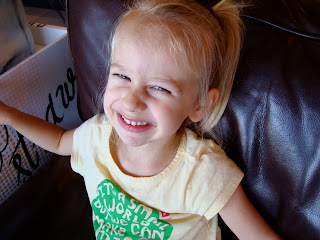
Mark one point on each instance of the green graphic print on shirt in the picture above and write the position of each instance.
(117, 216)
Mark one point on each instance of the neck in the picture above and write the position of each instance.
(147, 160)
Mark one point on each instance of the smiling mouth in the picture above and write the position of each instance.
(133, 123)
(134, 126)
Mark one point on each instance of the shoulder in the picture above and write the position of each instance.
(88, 139)
(210, 160)
(97, 121)
(96, 127)
(204, 149)
(214, 176)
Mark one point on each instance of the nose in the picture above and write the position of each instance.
(133, 101)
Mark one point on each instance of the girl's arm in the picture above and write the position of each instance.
(46, 135)
(244, 220)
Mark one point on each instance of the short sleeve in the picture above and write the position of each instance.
(88, 141)
(231, 180)
(213, 179)
(79, 133)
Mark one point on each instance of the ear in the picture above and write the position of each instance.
(201, 111)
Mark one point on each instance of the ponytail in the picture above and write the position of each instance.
(227, 15)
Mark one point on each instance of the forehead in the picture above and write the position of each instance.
(137, 36)
(136, 30)
(152, 33)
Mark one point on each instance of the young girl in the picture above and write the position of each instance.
(148, 176)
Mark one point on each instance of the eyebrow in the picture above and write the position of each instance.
(116, 65)
(173, 84)
(168, 81)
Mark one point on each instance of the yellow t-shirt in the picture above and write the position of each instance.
(181, 202)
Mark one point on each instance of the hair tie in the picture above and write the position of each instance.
(211, 10)
(208, 4)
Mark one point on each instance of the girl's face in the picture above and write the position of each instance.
(149, 93)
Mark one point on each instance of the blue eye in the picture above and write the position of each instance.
(161, 89)
(121, 76)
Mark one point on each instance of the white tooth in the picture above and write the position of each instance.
(134, 123)
(126, 120)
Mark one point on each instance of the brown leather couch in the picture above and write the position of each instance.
(271, 127)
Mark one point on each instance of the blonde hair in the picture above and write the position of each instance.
(208, 43)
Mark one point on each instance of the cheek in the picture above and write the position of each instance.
(111, 100)
(110, 94)
(108, 99)
(170, 114)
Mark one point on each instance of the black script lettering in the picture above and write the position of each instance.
(50, 109)
(17, 163)
(16, 158)
(5, 146)
(66, 97)
(64, 89)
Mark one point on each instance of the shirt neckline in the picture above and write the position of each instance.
(166, 172)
